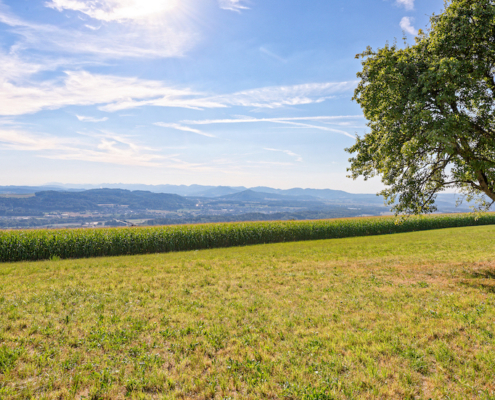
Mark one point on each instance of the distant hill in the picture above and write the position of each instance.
(219, 191)
(325, 194)
(33, 189)
(251, 195)
(334, 196)
(316, 193)
(92, 200)
(181, 190)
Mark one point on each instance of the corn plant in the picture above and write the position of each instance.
(79, 243)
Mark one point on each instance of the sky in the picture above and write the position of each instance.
(211, 92)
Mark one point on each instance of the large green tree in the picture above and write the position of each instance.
(431, 109)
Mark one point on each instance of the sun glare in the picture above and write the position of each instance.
(117, 10)
(142, 9)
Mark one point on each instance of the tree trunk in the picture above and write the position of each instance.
(484, 185)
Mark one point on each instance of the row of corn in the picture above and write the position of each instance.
(80, 243)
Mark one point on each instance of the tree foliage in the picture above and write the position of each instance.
(430, 108)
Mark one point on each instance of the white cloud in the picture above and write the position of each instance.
(250, 119)
(281, 164)
(170, 100)
(233, 5)
(183, 128)
(12, 68)
(288, 152)
(19, 140)
(81, 88)
(108, 148)
(116, 10)
(318, 127)
(16, 70)
(91, 119)
(284, 121)
(21, 94)
(279, 96)
(271, 54)
(9, 121)
(151, 40)
(268, 97)
(406, 25)
(93, 28)
(407, 4)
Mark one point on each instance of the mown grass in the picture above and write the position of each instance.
(399, 316)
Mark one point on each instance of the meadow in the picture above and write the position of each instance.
(407, 316)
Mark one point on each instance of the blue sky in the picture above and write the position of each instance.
(217, 92)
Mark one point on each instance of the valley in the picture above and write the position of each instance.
(72, 207)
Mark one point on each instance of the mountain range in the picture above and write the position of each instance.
(242, 192)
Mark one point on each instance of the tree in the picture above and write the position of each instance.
(431, 111)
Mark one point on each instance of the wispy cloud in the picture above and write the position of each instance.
(233, 5)
(317, 127)
(164, 39)
(8, 121)
(93, 28)
(285, 121)
(120, 93)
(82, 88)
(288, 152)
(250, 119)
(182, 128)
(21, 140)
(115, 10)
(268, 97)
(281, 164)
(271, 54)
(91, 119)
(21, 93)
(18, 70)
(279, 96)
(186, 100)
(407, 4)
(108, 148)
(406, 25)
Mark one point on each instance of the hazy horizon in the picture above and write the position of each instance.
(109, 185)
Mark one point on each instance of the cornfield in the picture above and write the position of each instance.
(80, 243)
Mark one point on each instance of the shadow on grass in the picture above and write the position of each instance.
(483, 274)
(485, 287)
(482, 279)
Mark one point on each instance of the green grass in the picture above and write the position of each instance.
(398, 316)
(80, 243)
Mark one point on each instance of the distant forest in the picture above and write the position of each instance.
(90, 200)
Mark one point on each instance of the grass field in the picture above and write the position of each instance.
(398, 316)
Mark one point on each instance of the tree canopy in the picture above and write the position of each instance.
(430, 108)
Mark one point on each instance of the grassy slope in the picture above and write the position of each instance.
(400, 316)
